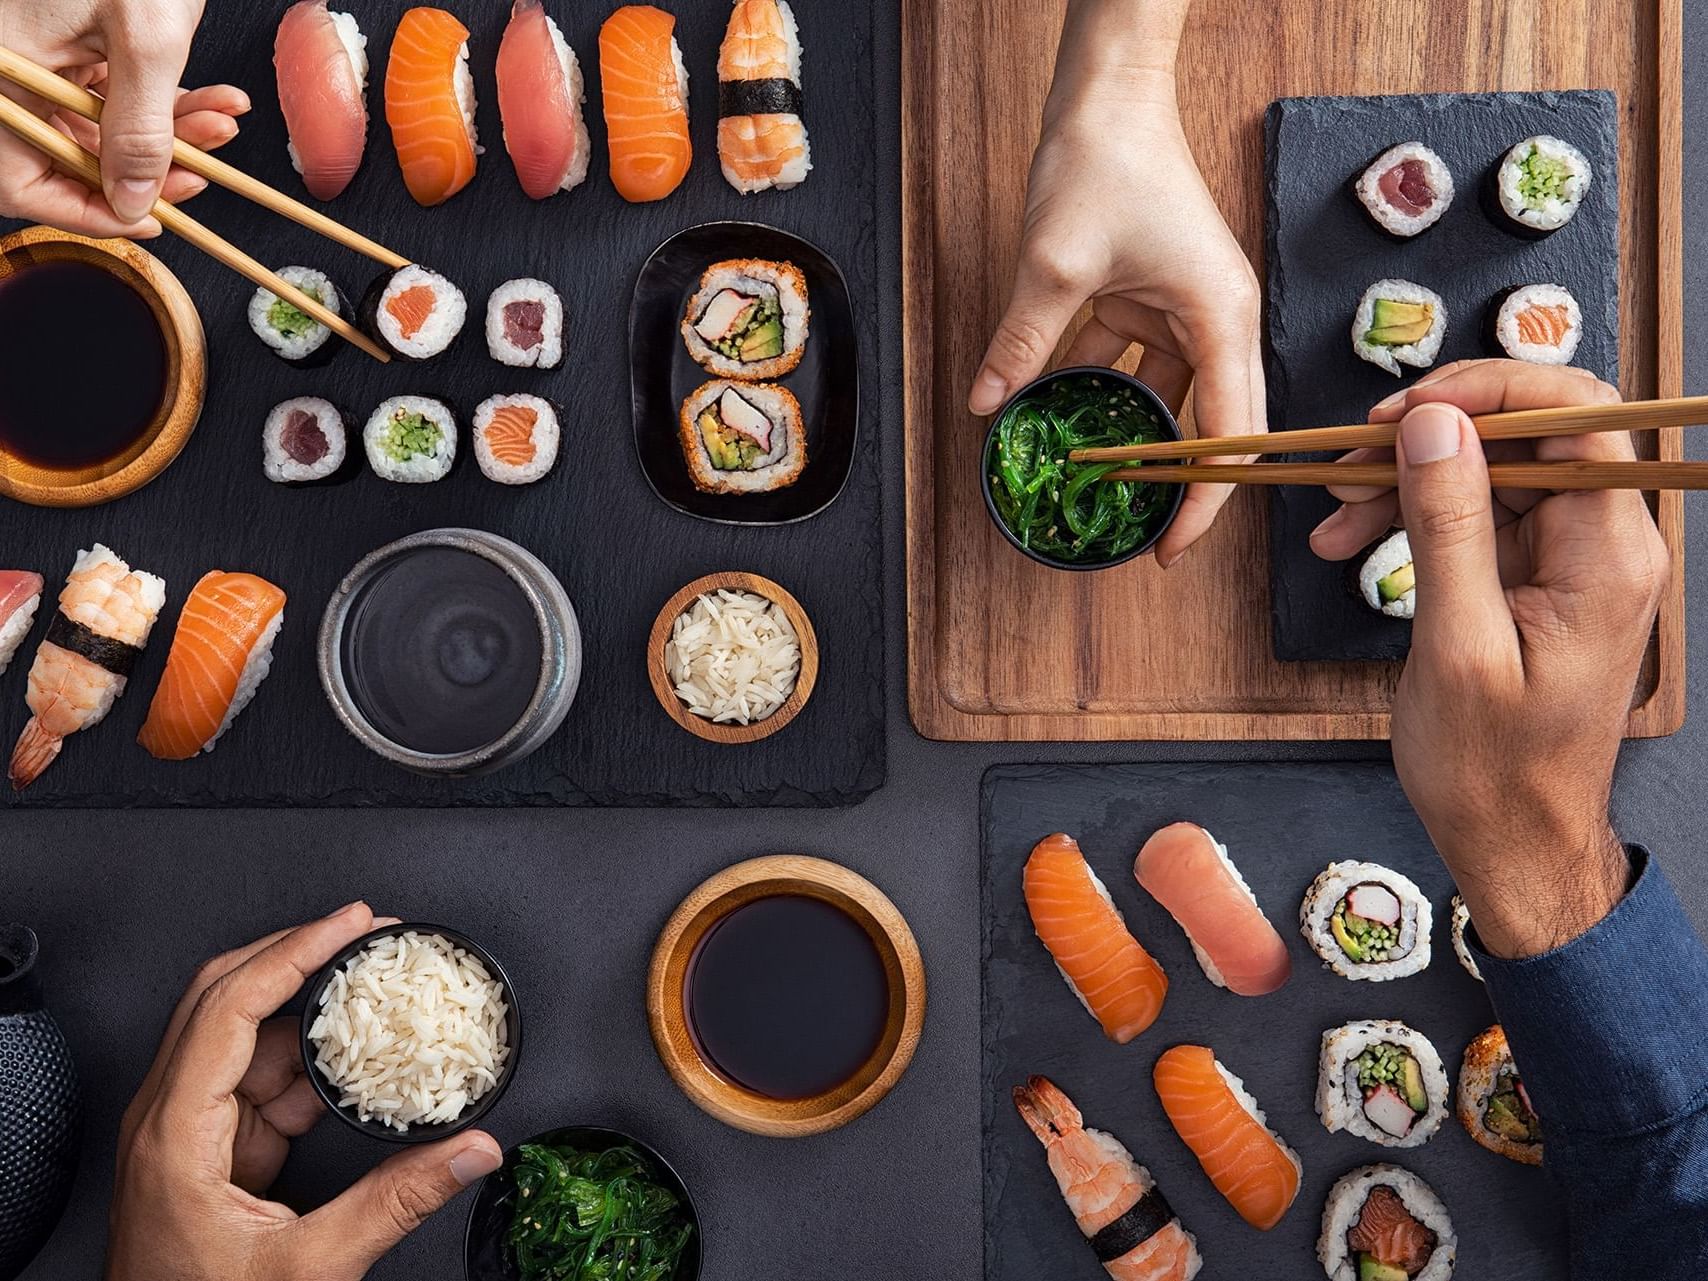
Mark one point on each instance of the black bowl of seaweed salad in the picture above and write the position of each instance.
(582, 1204)
(1059, 513)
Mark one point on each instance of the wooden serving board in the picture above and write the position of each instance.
(999, 648)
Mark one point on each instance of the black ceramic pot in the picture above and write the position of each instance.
(41, 1111)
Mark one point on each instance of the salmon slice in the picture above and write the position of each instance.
(411, 307)
(1253, 1169)
(646, 110)
(1116, 979)
(510, 434)
(1386, 1230)
(225, 620)
(320, 94)
(539, 104)
(433, 142)
(1543, 325)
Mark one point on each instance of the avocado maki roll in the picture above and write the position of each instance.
(1388, 580)
(1380, 1080)
(1406, 189)
(1399, 323)
(742, 438)
(1367, 922)
(1538, 186)
(294, 335)
(748, 319)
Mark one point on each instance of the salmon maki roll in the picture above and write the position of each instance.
(540, 92)
(515, 438)
(645, 89)
(321, 61)
(761, 140)
(1117, 981)
(1540, 324)
(414, 313)
(429, 103)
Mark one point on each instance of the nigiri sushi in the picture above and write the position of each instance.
(1189, 872)
(1121, 1212)
(220, 654)
(1222, 1124)
(429, 103)
(645, 89)
(106, 611)
(761, 140)
(540, 93)
(321, 60)
(1117, 981)
(20, 594)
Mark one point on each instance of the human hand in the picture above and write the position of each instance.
(132, 52)
(1533, 615)
(210, 1127)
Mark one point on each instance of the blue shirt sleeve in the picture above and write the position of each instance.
(1610, 1035)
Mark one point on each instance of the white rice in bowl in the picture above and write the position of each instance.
(733, 657)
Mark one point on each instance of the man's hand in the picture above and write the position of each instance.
(210, 1127)
(1533, 614)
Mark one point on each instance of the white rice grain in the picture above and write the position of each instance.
(732, 656)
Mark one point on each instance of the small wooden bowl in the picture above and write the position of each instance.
(735, 887)
(186, 372)
(677, 605)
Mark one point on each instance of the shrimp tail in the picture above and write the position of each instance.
(1045, 1109)
(34, 753)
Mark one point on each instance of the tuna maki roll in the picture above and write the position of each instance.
(414, 313)
(524, 324)
(1406, 189)
(294, 335)
(1380, 1080)
(411, 439)
(1538, 323)
(515, 438)
(1366, 921)
(748, 319)
(1493, 1105)
(742, 438)
(303, 440)
(1387, 580)
(1539, 184)
(1399, 323)
(1382, 1223)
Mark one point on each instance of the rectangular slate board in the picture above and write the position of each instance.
(1323, 251)
(1282, 824)
(618, 550)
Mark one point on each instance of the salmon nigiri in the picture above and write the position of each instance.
(321, 61)
(1112, 975)
(220, 654)
(540, 93)
(429, 103)
(1190, 874)
(1221, 1123)
(761, 140)
(645, 88)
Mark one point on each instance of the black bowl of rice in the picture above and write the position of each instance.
(411, 1033)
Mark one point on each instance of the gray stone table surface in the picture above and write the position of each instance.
(127, 903)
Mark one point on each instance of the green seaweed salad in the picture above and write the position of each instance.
(1056, 508)
(594, 1216)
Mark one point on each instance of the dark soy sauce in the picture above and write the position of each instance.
(441, 651)
(82, 365)
(786, 996)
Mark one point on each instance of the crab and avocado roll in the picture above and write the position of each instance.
(1493, 1105)
(1538, 186)
(524, 324)
(293, 334)
(748, 319)
(1399, 323)
(1366, 922)
(1460, 919)
(414, 313)
(515, 438)
(1406, 189)
(742, 438)
(1388, 580)
(303, 440)
(411, 439)
(1383, 1223)
(1537, 323)
(1381, 1080)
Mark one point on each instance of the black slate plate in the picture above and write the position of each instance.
(1323, 251)
(1282, 824)
(662, 374)
(596, 523)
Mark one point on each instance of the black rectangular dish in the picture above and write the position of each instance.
(619, 550)
(1282, 824)
(1323, 250)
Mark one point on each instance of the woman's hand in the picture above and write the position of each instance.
(210, 1127)
(132, 52)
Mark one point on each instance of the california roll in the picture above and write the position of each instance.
(1493, 1105)
(748, 319)
(1381, 1080)
(1366, 921)
(742, 438)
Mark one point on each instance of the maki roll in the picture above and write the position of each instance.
(1461, 949)
(1388, 580)
(1493, 1105)
(294, 335)
(1380, 1080)
(303, 440)
(1366, 921)
(411, 439)
(524, 324)
(1538, 323)
(748, 319)
(1538, 185)
(413, 312)
(515, 438)
(1399, 323)
(742, 438)
(1406, 189)
(1382, 1223)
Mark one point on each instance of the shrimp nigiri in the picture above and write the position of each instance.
(321, 61)
(761, 140)
(645, 88)
(540, 93)
(429, 103)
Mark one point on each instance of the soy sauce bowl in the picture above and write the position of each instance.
(1148, 400)
(486, 1251)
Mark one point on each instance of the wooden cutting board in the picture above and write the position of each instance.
(999, 648)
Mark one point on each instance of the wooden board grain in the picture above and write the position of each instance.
(999, 648)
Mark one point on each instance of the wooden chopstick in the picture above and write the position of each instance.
(1575, 474)
(80, 163)
(62, 93)
(1569, 420)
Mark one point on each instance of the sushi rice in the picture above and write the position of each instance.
(1409, 953)
(517, 345)
(1345, 1203)
(294, 452)
(504, 462)
(1390, 218)
(294, 335)
(1541, 183)
(1385, 570)
(1419, 352)
(1525, 324)
(1340, 1101)
(411, 440)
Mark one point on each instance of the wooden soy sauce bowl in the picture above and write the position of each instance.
(659, 672)
(185, 384)
(735, 887)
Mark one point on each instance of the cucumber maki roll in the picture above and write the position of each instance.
(411, 439)
(1539, 185)
(1399, 323)
(1380, 1080)
(292, 334)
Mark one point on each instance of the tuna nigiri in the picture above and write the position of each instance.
(321, 61)
(1222, 1124)
(761, 140)
(1104, 965)
(20, 594)
(1190, 874)
(429, 103)
(645, 88)
(220, 654)
(540, 94)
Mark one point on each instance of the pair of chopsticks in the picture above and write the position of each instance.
(1522, 424)
(82, 164)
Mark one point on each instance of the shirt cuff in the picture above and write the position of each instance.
(1610, 1030)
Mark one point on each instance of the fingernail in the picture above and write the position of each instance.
(380, 922)
(1390, 402)
(476, 1161)
(1171, 559)
(1329, 522)
(133, 198)
(989, 391)
(1430, 433)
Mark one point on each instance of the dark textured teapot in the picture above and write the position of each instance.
(41, 1113)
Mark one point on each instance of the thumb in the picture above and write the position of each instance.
(1046, 296)
(143, 70)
